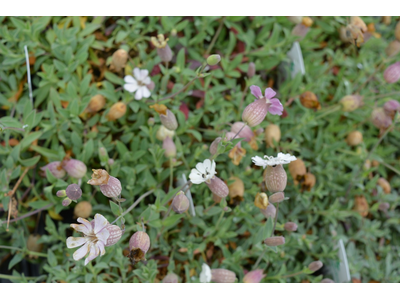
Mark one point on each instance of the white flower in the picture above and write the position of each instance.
(204, 172)
(205, 275)
(94, 240)
(138, 84)
(273, 161)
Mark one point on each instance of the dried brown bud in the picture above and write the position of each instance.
(272, 135)
(96, 103)
(180, 203)
(236, 154)
(357, 21)
(117, 111)
(99, 177)
(277, 197)
(386, 20)
(261, 201)
(275, 241)
(354, 138)
(361, 205)
(393, 48)
(236, 188)
(33, 244)
(309, 100)
(397, 31)
(269, 212)
(315, 266)
(290, 226)
(218, 187)
(275, 178)
(119, 59)
(307, 21)
(297, 169)
(139, 244)
(73, 192)
(351, 102)
(222, 276)
(385, 185)
(83, 209)
(308, 182)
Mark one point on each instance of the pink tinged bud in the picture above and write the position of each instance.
(392, 73)
(315, 265)
(277, 197)
(251, 71)
(391, 106)
(151, 85)
(66, 202)
(55, 168)
(180, 203)
(275, 241)
(380, 119)
(139, 244)
(245, 133)
(275, 178)
(255, 112)
(254, 276)
(170, 278)
(214, 146)
(110, 161)
(165, 53)
(218, 187)
(73, 192)
(61, 193)
(75, 168)
(169, 147)
(290, 226)
(269, 212)
(384, 206)
(327, 280)
(169, 120)
(151, 121)
(300, 30)
(112, 189)
(222, 276)
(115, 234)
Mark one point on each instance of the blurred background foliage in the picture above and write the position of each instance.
(70, 61)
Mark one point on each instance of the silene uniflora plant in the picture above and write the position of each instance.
(140, 156)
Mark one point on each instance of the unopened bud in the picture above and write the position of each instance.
(66, 202)
(61, 193)
(55, 168)
(96, 103)
(384, 206)
(254, 276)
(307, 21)
(222, 276)
(295, 19)
(83, 209)
(354, 138)
(251, 71)
(309, 181)
(151, 121)
(73, 192)
(163, 132)
(218, 187)
(393, 48)
(214, 146)
(392, 73)
(380, 119)
(357, 21)
(327, 280)
(309, 100)
(169, 147)
(139, 244)
(277, 197)
(169, 120)
(361, 205)
(385, 185)
(351, 102)
(170, 278)
(269, 212)
(119, 59)
(117, 111)
(297, 169)
(272, 135)
(213, 59)
(275, 241)
(261, 201)
(236, 188)
(290, 226)
(75, 168)
(163, 50)
(255, 112)
(275, 178)
(110, 162)
(315, 266)
(300, 30)
(151, 85)
(244, 131)
(397, 31)
(115, 234)
(180, 203)
(391, 106)
(112, 189)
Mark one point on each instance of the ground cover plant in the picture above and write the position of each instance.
(199, 149)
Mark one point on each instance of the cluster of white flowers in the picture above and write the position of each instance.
(273, 161)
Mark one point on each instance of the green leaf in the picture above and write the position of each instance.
(51, 258)
(172, 220)
(30, 161)
(15, 260)
(115, 208)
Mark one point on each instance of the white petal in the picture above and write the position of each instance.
(73, 242)
(207, 165)
(205, 275)
(131, 87)
(258, 161)
(101, 247)
(144, 73)
(195, 177)
(213, 165)
(136, 73)
(99, 223)
(146, 92)
(129, 79)
(201, 167)
(146, 81)
(94, 252)
(81, 228)
(81, 252)
(103, 235)
(85, 222)
(139, 93)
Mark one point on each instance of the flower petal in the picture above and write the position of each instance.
(129, 79)
(145, 92)
(99, 223)
(103, 235)
(258, 161)
(205, 275)
(94, 252)
(269, 93)
(139, 94)
(81, 228)
(81, 252)
(256, 91)
(146, 81)
(131, 87)
(101, 247)
(73, 242)
(201, 168)
(144, 73)
(276, 107)
(136, 73)
(195, 177)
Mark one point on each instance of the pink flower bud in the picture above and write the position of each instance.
(327, 280)
(66, 202)
(290, 226)
(169, 120)
(170, 278)
(275, 178)
(255, 112)
(315, 265)
(274, 241)
(112, 189)
(180, 203)
(169, 147)
(73, 192)
(75, 168)
(55, 168)
(269, 212)
(277, 197)
(214, 146)
(384, 206)
(392, 73)
(151, 121)
(380, 119)
(151, 85)
(245, 133)
(391, 106)
(139, 244)
(61, 193)
(254, 276)
(222, 276)
(115, 234)
(300, 30)
(165, 53)
(218, 187)
(251, 71)
(110, 162)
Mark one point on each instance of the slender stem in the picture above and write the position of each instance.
(390, 167)
(12, 128)
(180, 91)
(215, 37)
(242, 99)
(30, 214)
(371, 76)
(381, 96)
(134, 204)
(28, 69)
(276, 219)
(239, 131)
(11, 193)
(332, 110)
(285, 276)
(220, 218)
(11, 277)
(166, 215)
(25, 251)
(171, 173)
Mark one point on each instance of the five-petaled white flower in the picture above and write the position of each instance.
(205, 275)
(273, 161)
(94, 240)
(204, 172)
(138, 84)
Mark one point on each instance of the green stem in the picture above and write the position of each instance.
(11, 277)
(220, 218)
(215, 37)
(26, 251)
(171, 173)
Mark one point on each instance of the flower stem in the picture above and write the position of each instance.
(220, 218)
(11, 277)
(26, 251)
(29, 214)
(171, 173)
(215, 37)
(242, 99)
